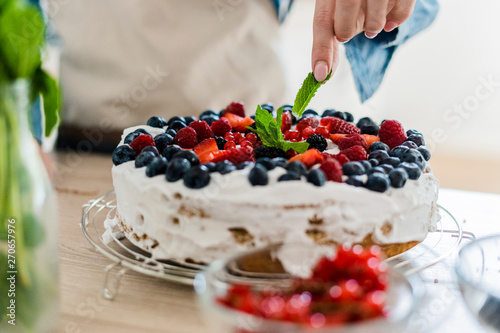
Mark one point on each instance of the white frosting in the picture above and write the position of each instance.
(187, 223)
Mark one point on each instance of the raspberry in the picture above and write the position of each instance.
(286, 121)
(339, 157)
(337, 125)
(236, 108)
(186, 138)
(307, 132)
(392, 133)
(140, 142)
(229, 145)
(321, 130)
(332, 169)
(311, 121)
(293, 136)
(221, 127)
(351, 140)
(202, 129)
(235, 155)
(229, 136)
(252, 137)
(355, 153)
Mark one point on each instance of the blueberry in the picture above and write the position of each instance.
(355, 181)
(425, 153)
(348, 117)
(374, 162)
(377, 169)
(157, 122)
(289, 176)
(210, 119)
(417, 139)
(379, 145)
(410, 144)
(295, 121)
(412, 169)
(220, 114)
(370, 129)
(130, 137)
(171, 132)
(353, 169)
(311, 112)
(339, 114)
(221, 142)
(328, 113)
(378, 182)
(392, 161)
(413, 132)
(305, 116)
(177, 125)
(280, 162)
(197, 177)
(414, 156)
(244, 165)
(156, 167)
(398, 177)
(367, 164)
(208, 113)
(151, 149)
(379, 155)
(189, 120)
(258, 176)
(387, 168)
(170, 151)
(224, 167)
(123, 154)
(176, 169)
(163, 140)
(144, 159)
(143, 131)
(365, 121)
(287, 107)
(268, 107)
(316, 177)
(173, 119)
(210, 166)
(266, 162)
(188, 155)
(297, 167)
(398, 151)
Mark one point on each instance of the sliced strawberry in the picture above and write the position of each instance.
(205, 150)
(370, 139)
(238, 123)
(309, 158)
(286, 121)
(234, 155)
(336, 137)
(311, 121)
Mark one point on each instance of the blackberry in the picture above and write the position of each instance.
(163, 140)
(316, 177)
(157, 122)
(123, 154)
(271, 152)
(144, 159)
(176, 169)
(258, 176)
(220, 142)
(156, 167)
(197, 177)
(318, 142)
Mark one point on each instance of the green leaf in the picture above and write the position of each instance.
(47, 86)
(299, 147)
(307, 92)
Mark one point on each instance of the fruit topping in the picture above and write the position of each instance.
(140, 142)
(318, 142)
(332, 169)
(186, 137)
(122, 154)
(392, 133)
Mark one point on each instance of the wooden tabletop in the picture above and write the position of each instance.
(146, 304)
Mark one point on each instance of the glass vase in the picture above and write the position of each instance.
(29, 296)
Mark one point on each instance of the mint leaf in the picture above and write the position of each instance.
(299, 147)
(47, 86)
(306, 93)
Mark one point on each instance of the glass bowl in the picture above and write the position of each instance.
(478, 271)
(403, 295)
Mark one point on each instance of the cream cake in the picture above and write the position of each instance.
(196, 190)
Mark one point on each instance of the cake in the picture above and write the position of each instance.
(195, 190)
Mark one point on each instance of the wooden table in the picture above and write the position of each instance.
(146, 304)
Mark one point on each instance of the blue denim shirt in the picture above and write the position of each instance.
(369, 58)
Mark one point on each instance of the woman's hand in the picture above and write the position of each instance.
(340, 20)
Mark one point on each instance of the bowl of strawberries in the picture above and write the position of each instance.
(306, 288)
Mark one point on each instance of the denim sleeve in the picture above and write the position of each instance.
(369, 58)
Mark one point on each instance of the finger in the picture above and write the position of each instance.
(401, 11)
(376, 12)
(346, 16)
(323, 39)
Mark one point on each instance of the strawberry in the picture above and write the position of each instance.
(234, 155)
(351, 140)
(238, 123)
(140, 142)
(337, 125)
(307, 132)
(293, 136)
(321, 130)
(332, 169)
(336, 137)
(355, 153)
(205, 150)
(202, 129)
(236, 108)
(311, 121)
(370, 139)
(309, 158)
(286, 121)
(186, 137)
(221, 127)
(392, 133)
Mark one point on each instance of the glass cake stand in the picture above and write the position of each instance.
(125, 256)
